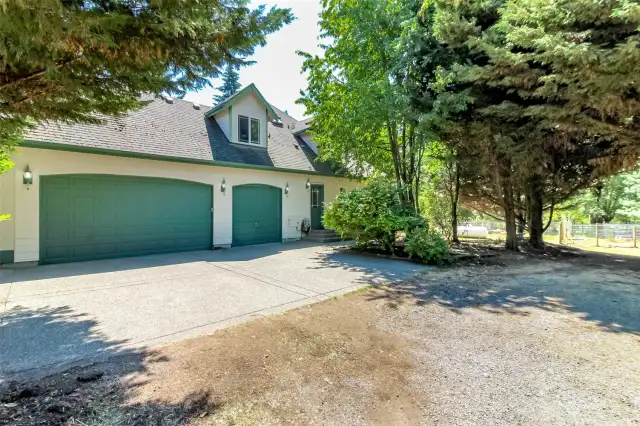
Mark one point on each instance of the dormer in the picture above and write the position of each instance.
(243, 117)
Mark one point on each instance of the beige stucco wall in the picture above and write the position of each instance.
(7, 188)
(22, 234)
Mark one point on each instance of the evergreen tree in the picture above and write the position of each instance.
(72, 60)
(555, 88)
(230, 84)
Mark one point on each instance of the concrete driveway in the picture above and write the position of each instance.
(57, 315)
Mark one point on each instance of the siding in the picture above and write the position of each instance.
(25, 208)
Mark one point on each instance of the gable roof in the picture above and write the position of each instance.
(240, 94)
(178, 131)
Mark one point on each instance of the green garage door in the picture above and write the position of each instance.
(257, 215)
(86, 217)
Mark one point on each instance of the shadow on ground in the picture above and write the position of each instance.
(602, 289)
(54, 331)
(91, 393)
(45, 272)
(373, 270)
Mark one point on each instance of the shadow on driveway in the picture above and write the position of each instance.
(55, 331)
(373, 270)
(81, 395)
(34, 273)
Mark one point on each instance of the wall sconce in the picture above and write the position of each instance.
(286, 189)
(223, 186)
(27, 176)
(308, 184)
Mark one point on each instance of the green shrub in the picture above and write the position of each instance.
(371, 214)
(427, 245)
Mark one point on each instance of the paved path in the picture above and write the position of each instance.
(56, 315)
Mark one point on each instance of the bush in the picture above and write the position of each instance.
(427, 245)
(371, 214)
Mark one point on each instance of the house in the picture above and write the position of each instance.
(172, 176)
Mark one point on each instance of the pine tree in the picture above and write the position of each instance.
(554, 85)
(73, 60)
(230, 84)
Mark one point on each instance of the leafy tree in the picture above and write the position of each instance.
(230, 83)
(610, 198)
(72, 60)
(364, 91)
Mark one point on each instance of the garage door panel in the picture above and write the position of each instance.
(87, 217)
(257, 215)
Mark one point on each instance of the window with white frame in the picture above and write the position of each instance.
(248, 129)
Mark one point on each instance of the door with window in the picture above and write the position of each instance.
(317, 206)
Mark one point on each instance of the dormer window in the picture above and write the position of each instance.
(248, 129)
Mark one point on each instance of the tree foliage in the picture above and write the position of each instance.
(373, 214)
(367, 92)
(614, 199)
(69, 60)
(551, 96)
(230, 84)
(427, 245)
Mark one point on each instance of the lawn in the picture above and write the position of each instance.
(520, 340)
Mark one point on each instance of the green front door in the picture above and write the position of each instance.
(257, 215)
(317, 206)
(86, 217)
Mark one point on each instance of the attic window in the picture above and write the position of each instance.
(243, 128)
(248, 130)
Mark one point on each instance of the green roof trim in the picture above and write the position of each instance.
(301, 131)
(117, 153)
(239, 94)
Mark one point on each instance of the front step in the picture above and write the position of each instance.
(323, 236)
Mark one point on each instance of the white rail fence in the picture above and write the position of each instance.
(605, 235)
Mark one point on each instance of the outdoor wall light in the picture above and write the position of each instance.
(27, 176)
(308, 184)
(223, 186)
(286, 189)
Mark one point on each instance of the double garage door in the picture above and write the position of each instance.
(87, 217)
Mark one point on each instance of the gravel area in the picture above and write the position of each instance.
(521, 341)
(532, 343)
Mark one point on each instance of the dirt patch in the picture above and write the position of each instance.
(519, 339)
(327, 363)
(321, 364)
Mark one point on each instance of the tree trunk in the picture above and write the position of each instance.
(509, 216)
(536, 227)
(454, 206)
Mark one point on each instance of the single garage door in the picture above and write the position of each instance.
(86, 217)
(257, 215)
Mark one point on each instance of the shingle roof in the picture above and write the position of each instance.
(179, 130)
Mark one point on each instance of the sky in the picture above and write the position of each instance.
(277, 71)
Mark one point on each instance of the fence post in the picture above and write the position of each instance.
(561, 235)
(597, 235)
(635, 236)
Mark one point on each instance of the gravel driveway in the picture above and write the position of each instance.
(525, 341)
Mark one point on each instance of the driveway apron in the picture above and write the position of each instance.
(55, 316)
